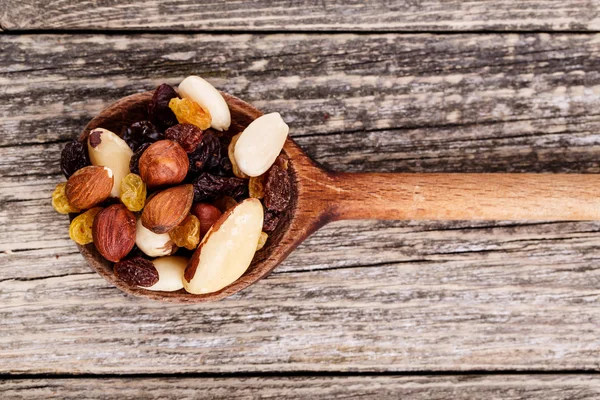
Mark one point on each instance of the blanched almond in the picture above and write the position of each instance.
(153, 244)
(109, 150)
(170, 273)
(203, 93)
(227, 250)
(260, 144)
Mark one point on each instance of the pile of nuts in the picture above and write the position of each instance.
(178, 201)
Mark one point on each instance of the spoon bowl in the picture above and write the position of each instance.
(320, 196)
(291, 230)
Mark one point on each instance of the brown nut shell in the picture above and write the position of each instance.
(114, 232)
(207, 214)
(89, 186)
(163, 163)
(167, 209)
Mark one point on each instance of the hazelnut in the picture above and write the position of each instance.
(89, 186)
(114, 232)
(167, 209)
(207, 214)
(163, 163)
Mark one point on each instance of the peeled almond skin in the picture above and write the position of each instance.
(203, 93)
(109, 150)
(168, 208)
(170, 273)
(260, 144)
(153, 244)
(227, 250)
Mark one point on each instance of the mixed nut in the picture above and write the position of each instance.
(180, 200)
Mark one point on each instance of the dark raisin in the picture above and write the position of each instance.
(271, 220)
(209, 187)
(187, 135)
(74, 156)
(134, 163)
(141, 132)
(158, 109)
(207, 154)
(224, 168)
(136, 271)
(278, 189)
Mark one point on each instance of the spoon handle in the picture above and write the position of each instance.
(458, 196)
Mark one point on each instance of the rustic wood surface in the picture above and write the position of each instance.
(513, 387)
(285, 15)
(358, 297)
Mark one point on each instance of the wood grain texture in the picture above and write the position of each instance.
(358, 296)
(286, 15)
(510, 387)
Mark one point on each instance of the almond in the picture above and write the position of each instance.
(114, 232)
(167, 209)
(89, 186)
(260, 144)
(163, 163)
(227, 250)
(109, 150)
(209, 98)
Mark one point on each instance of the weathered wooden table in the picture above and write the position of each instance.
(404, 309)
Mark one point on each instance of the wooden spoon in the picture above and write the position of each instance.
(321, 196)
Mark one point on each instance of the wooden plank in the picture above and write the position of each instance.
(358, 296)
(51, 85)
(314, 15)
(460, 387)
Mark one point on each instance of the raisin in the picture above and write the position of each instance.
(262, 240)
(141, 132)
(73, 157)
(134, 163)
(271, 220)
(80, 230)
(256, 186)
(210, 187)
(136, 271)
(278, 189)
(60, 202)
(133, 192)
(224, 168)
(158, 109)
(187, 234)
(231, 149)
(187, 135)
(188, 111)
(207, 154)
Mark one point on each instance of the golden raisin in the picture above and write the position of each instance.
(230, 150)
(60, 202)
(80, 230)
(256, 187)
(187, 234)
(188, 111)
(262, 239)
(133, 192)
